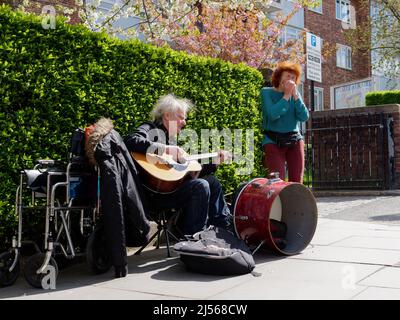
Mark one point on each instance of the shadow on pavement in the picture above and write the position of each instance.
(77, 276)
(387, 217)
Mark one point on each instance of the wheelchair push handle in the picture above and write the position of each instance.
(48, 164)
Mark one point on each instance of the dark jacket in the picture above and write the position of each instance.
(124, 212)
(141, 139)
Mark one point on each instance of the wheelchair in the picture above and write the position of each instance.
(65, 199)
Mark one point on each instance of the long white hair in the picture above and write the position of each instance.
(170, 103)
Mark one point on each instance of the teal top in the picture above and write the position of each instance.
(281, 115)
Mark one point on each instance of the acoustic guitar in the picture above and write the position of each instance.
(160, 173)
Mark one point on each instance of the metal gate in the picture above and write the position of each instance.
(354, 151)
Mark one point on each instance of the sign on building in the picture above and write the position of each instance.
(351, 95)
(313, 57)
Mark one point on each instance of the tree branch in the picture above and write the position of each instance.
(391, 7)
(141, 22)
(147, 19)
(385, 47)
(110, 18)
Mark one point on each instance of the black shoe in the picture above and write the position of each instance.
(229, 224)
(231, 229)
(121, 271)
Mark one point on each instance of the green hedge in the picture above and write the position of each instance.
(382, 97)
(55, 80)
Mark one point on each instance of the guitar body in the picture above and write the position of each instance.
(162, 177)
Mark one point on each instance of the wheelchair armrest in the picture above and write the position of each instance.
(48, 162)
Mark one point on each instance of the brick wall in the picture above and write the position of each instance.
(36, 6)
(327, 27)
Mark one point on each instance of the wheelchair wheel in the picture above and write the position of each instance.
(8, 278)
(97, 257)
(32, 264)
(62, 261)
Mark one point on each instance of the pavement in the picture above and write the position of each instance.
(354, 255)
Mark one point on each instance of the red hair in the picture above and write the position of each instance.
(285, 66)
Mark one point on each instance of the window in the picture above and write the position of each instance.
(106, 5)
(318, 99)
(318, 8)
(289, 33)
(343, 57)
(343, 10)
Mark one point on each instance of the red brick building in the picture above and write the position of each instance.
(59, 6)
(340, 67)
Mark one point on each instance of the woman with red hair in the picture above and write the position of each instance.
(282, 111)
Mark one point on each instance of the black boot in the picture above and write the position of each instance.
(229, 226)
(121, 271)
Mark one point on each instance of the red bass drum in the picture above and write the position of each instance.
(263, 200)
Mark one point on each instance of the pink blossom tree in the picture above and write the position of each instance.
(236, 35)
(233, 30)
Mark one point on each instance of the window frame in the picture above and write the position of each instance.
(317, 9)
(338, 10)
(283, 37)
(318, 91)
(348, 63)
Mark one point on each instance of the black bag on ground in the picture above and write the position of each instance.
(216, 251)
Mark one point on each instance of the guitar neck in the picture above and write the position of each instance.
(201, 156)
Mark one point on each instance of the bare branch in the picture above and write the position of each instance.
(391, 7)
(112, 17)
(147, 19)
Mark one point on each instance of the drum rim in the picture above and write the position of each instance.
(236, 200)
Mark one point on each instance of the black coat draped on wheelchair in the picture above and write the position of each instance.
(62, 198)
(67, 199)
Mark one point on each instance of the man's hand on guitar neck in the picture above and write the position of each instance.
(223, 156)
(177, 153)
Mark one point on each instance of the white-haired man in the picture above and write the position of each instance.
(201, 199)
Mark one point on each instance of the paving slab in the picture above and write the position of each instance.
(329, 236)
(296, 279)
(376, 293)
(345, 260)
(387, 277)
(354, 225)
(90, 293)
(176, 281)
(350, 255)
(370, 242)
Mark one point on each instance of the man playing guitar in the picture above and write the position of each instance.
(201, 198)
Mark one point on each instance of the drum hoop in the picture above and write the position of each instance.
(237, 199)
